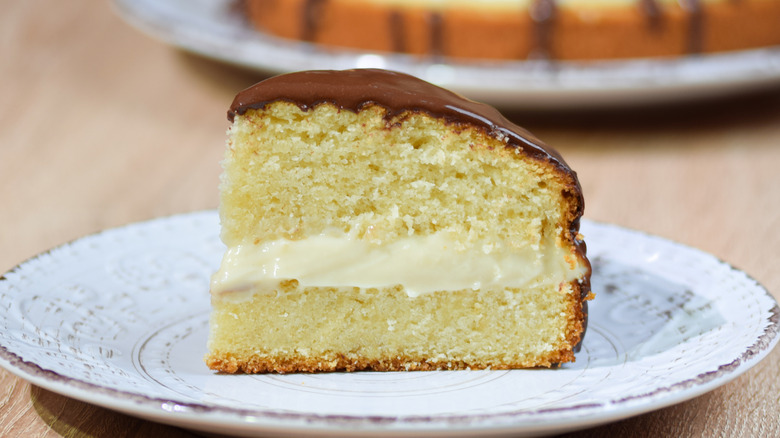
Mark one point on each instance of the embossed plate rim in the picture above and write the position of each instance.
(206, 29)
(527, 422)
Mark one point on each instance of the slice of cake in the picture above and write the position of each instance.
(374, 221)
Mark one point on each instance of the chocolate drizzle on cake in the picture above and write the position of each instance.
(397, 31)
(543, 15)
(437, 34)
(652, 11)
(695, 25)
(695, 40)
(310, 19)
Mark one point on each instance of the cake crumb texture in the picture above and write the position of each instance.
(290, 173)
(384, 330)
(381, 176)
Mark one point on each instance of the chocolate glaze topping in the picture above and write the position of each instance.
(652, 11)
(436, 25)
(543, 14)
(397, 31)
(695, 25)
(402, 94)
(312, 11)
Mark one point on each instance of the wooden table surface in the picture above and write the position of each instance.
(101, 126)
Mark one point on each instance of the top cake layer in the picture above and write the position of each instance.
(412, 104)
(398, 93)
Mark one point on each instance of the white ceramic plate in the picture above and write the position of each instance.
(215, 29)
(119, 319)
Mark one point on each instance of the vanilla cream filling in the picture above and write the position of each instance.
(421, 264)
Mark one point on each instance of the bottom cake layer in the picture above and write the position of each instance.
(350, 329)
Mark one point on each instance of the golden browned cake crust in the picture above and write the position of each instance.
(526, 29)
(375, 221)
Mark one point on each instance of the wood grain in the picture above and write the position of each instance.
(101, 126)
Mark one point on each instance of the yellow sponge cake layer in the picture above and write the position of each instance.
(382, 329)
(374, 221)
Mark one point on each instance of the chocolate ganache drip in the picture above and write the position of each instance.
(652, 11)
(398, 31)
(543, 15)
(695, 25)
(436, 23)
(310, 19)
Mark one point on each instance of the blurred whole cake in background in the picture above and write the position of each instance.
(525, 29)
